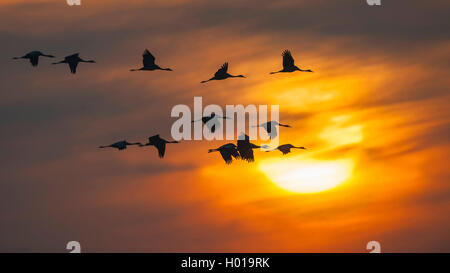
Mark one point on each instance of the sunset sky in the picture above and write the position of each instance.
(374, 116)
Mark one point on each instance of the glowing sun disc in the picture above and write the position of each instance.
(307, 176)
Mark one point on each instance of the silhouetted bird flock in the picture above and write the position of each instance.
(242, 150)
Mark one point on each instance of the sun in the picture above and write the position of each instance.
(307, 176)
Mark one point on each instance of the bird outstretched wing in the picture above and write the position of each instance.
(288, 61)
(244, 148)
(228, 151)
(285, 149)
(148, 59)
(72, 57)
(73, 67)
(161, 149)
(247, 154)
(34, 60)
(270, 129)
(226, 155)
(159, 143)
(222, 70)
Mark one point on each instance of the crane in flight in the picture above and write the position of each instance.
(73, 61)
(271, 128)
(121, 145)
(33, 56)
(227, 151)
(288, 64)
(245, 148)
(286, 148)
(211, 125)
(222, 74)
(159, 143)
(148, 61)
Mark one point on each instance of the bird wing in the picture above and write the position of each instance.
(148, 59)
(159, 143)
(34, 60)
(245, 150)
(72, 57)
(285, 149)
(273, 132)
(247, 154)
(231, 148)
(226, 155)
(270, 129)
(73, 67)
(161, 146)
(222, 70)
(235, 153)
(288, 60)
(212, 123)
(121, 145)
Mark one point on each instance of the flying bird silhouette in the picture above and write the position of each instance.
(159, 143)
(73, 61)
(148, 61)
(286, 148)
(245, 148)
(211, 126)
(121, 145)
(271, 128)
(33, 56)
(288, 64)
(222, 74)
(228, 151)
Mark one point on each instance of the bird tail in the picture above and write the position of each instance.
(172, 141)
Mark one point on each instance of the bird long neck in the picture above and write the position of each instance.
(238, 76)
(84, 61)
(166, 69)
(134, 143)
(283, 125)
(212, 150)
